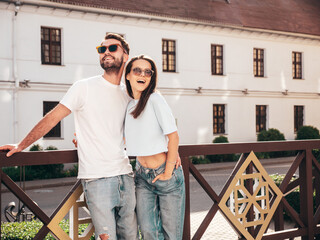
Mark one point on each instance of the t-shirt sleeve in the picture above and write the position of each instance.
(75, 96)
(164, 114)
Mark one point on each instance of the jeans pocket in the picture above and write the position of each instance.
(170, 185)
(167, 180)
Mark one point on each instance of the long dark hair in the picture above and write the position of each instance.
(148, 91)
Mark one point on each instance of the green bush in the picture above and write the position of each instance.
(221, 157)
(35, 147)
(12, 172)
(133, 163)
(28, 230)
(73, 172)
(44, 171)
(199, 160)
(293, 198)
(307, 132)
(272, 134)
(220, 139)
(51, 148)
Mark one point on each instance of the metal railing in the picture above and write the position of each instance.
(308, 181)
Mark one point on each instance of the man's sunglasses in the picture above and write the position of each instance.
(112, 48)
(138, 71)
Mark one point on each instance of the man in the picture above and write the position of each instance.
(99, 105)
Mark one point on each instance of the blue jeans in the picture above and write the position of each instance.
(160, 205)
(111, 202)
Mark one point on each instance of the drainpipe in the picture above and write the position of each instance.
(15, 72)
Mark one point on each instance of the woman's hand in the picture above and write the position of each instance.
(75, 142)
(162, 177)
(178, 162)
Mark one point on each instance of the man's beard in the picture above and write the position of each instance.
(113, 67)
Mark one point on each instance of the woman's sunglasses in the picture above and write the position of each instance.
(138, 72)
(112, 48)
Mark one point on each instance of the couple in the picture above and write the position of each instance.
(105, 118)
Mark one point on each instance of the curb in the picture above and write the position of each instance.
(50, 183)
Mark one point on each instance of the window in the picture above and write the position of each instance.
(56, 131)
(50, 46)
(216, 59)
(261, 118)
(168, 55)
(298, 117)
(258, 62)
(218, 118)
(297, 65)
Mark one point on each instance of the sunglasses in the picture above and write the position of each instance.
(112, 48)
(138, 72)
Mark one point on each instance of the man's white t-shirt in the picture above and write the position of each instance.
(99, 109)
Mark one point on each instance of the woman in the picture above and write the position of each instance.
(151, 135)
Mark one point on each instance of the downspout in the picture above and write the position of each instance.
(15, 73)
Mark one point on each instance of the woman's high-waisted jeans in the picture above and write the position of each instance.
(160, 205)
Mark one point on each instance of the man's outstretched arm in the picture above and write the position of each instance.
(50, 120)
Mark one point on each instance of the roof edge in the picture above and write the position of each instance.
(148, 16)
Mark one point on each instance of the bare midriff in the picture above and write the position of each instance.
(153, 161)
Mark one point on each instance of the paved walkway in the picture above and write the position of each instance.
(219, 228)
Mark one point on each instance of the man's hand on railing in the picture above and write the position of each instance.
(11, 148)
